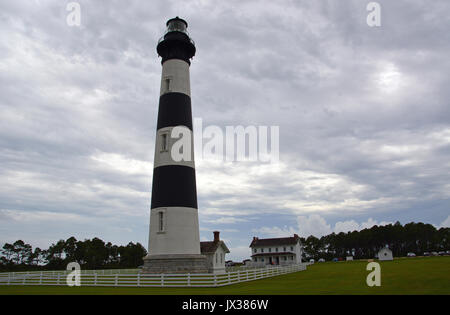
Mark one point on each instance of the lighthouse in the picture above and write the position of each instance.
(174, 241)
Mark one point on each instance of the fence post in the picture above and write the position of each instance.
(139, 280)
(57, 281)
(116, 280)
(40, 278)
(229, 278)
(215, 280)
(95, 279)
(162, 279)
(189, 280)
(247, 273)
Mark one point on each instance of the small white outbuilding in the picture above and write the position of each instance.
(385, 254)
(215, 252)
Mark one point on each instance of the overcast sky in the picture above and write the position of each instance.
(363, 114)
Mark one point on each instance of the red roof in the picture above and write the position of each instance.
(273, 254)
(211, 247)
(275, 241)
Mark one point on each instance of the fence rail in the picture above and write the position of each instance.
(120, 278)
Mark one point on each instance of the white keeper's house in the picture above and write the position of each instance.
(215, 254)
(276, 251)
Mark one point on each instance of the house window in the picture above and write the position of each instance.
(284, 258)
(292, 248)
(292, 257)
(276, 249)
(284, 249)
(216, 257)
(161, 221)
(270, 250)
(262, 259)
(221, 258)
(255, 250)
(262, 250)
(164, 142)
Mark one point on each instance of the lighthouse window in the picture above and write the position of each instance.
(166, 84)
(161, 221)
(164, 142)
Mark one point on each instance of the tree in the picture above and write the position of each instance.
(131, 256)
(21, 252)
(7, 252)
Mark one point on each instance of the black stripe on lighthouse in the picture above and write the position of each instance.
(174, 110)
(174, 186)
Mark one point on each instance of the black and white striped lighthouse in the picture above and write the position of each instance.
(174, 241)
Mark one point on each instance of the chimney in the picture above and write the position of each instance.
(216, 236)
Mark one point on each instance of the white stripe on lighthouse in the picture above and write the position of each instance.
(180, 234)
(175, 77)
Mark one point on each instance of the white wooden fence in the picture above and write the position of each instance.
(121, 278)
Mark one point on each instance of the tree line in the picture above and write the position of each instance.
(401, 239)
(90, 254)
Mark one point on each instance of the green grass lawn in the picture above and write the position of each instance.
(427, 275)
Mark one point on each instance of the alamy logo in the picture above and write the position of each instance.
(373, 278)
(237, 143)
(74, 277)
(374, 17)
(74, 17)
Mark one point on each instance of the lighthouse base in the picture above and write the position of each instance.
(181, 263)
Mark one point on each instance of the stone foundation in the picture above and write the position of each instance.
(175, 264)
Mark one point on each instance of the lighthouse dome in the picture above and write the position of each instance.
(177, 25)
